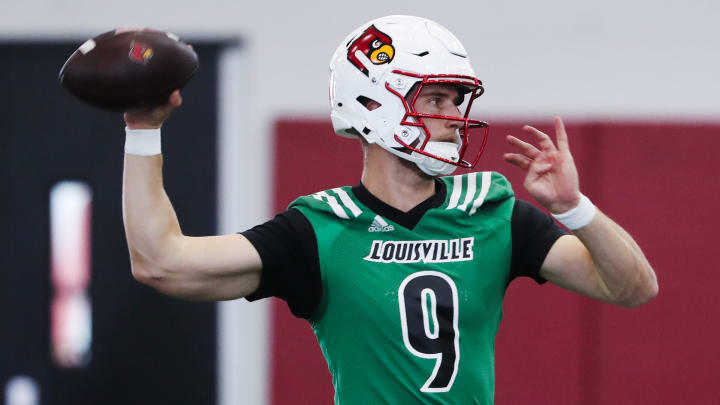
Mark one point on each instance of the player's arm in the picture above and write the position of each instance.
(194, 268)
(600, 260)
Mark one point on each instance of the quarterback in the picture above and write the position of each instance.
(402, 275)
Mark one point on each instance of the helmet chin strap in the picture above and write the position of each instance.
(435, 167)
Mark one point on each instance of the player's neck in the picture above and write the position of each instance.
(395, 182)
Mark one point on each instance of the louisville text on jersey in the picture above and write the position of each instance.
(426, 251)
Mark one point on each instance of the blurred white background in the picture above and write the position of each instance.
(614, 58)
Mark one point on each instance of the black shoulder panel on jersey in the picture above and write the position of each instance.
(533, 234)
(291, 268)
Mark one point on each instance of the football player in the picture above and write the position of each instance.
(419, 259)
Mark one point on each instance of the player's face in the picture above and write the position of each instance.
(440, 99)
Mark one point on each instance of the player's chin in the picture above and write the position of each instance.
(412, 166)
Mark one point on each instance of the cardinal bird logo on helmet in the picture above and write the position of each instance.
(374, 44)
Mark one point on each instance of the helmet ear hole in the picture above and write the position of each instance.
(368, 103)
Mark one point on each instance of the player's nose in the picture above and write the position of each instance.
(449, 134)
(453, 124)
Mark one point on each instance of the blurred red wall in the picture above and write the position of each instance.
(555, 347)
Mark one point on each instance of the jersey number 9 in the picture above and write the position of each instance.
(429, 317)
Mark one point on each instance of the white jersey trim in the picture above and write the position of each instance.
(486, 180)
(348, 202)
(457, 190)
(337, 209)
(472, 180)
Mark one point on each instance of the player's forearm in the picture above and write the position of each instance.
(625, 273)
(151, 226)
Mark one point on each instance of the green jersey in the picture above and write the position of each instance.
(409, 316)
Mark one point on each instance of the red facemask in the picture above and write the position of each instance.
(475, 90)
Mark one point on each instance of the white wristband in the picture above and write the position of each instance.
(579, 216)
(142, 142)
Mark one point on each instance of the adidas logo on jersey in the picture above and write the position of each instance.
(379, 225)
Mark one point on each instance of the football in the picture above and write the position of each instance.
(129, 69)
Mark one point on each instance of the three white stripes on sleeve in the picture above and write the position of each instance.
(486, 179)
(335, 206)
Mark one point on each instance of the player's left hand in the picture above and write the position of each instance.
(551, 177)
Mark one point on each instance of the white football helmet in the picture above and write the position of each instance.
(382, 61)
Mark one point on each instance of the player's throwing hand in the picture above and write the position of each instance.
(154, 117)
(551, 177)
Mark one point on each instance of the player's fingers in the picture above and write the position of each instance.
(163, 111)
(154, 116)
(542, 168)
(543, 140)
(561, 135)
(518, 160)
(525, 148)
(175, 99)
